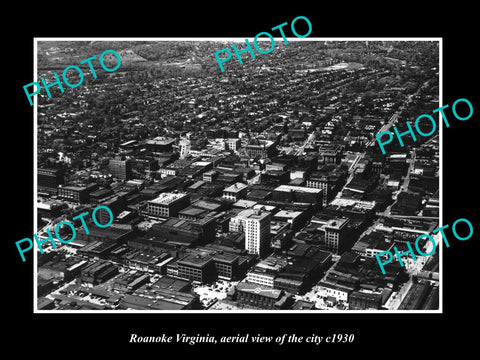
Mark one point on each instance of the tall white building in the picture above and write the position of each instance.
(184, 148)
(237, 223)
(257, 232)
(255, 223)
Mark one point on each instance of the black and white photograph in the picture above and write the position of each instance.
(212, 181)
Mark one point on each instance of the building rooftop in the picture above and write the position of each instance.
(225, 257)
(201, 163)
(111, 232)
(195, 259)
(98, 246)
(245, 203)
(288, 188)
(178, 224)
(192, 211)
(170, 283)
(303, 305)
(337, 223)
(167, 198)
(288, 214)
(175, 302)
(72, 187)
(259, 215)
(159, 140)
(349, 257)
(375, 240)
(271, 263)
(354, 204)
(208, 204)
(263, 207)
(196, 185)
(235, 188)
(146, 258)
(258, 289)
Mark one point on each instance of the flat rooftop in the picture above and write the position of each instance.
(207, 204)
(225, 258)
(201, 163)
(196, 260)
(358, 204)
(72, 187)
(167, 198)
(264, 207)
(192, 211)
(288, 188)
(337, 223)
(170, 283)
(245, 214)
(245, 203)
(288, 214)
(259, 215)
(260, 290)
(236, 187)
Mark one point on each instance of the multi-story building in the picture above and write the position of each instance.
(229, 266)
(235, 192)
(192, 213)
(160, 144)
(168, 171)
(116, 205)
(233, 144)
(335, 232)
(78, 194)
(296, 219)
(263, 148)
(328, 183)
(289, 193)
(258, 296)
(374, 243)
(257, 232)
(265, 271)
(168, 204)
(184, 148)
(209, 176)
(49, 179)
(185, 232)
(336, 290)
(121, 168)
(110, 234)
(196, 267)
(261, 278)
(362, 300)
(146, 164)
(237, 223)
(98, 273)
(130, 282)
(330, 154)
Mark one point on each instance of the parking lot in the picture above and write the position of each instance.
(314, 297)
